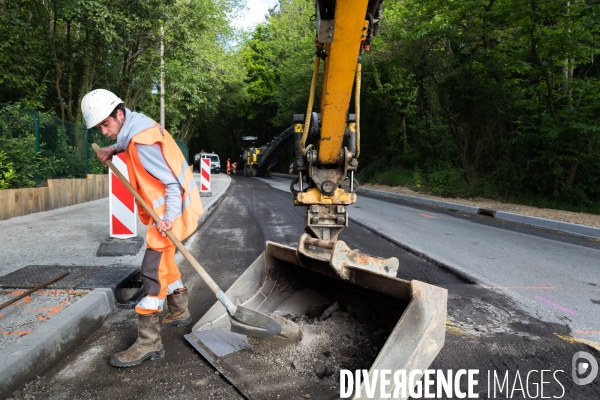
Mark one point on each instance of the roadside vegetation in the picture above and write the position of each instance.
(497, 99)
(450, 183)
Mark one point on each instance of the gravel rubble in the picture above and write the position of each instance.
(24, 316)
(333, 341)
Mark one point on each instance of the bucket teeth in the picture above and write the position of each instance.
(340, 257)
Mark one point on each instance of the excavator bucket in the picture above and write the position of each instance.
(353, 313)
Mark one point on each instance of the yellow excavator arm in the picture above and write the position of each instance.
(344, 31)
(349, 32)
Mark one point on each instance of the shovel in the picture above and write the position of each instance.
(243, 320)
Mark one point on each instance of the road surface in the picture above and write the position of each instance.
(489, 329)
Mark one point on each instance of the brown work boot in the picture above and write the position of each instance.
(147, 346)
(178, 314)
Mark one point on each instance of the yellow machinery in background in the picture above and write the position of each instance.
(288, 281)
(250, 155)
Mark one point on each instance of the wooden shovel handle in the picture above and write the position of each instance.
(188, 256)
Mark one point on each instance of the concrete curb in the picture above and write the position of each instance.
(559, 226)
(37, 352)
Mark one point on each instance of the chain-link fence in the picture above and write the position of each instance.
(35, 147)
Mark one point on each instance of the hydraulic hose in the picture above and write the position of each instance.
(311, 99)
(357, 105)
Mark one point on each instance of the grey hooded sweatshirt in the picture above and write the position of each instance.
(152, 159)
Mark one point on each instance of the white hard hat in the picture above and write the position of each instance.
(97, 105)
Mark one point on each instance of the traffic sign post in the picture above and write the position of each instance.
(123, 210)
(205, 177)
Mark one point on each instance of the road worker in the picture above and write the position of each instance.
(159, 172)
(228, 166)
(234, 167)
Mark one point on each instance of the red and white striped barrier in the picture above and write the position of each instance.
(291, 168)
(205, 177)
(123, 210)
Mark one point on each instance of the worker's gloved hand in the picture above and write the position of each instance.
(164, 226)
(105, 154)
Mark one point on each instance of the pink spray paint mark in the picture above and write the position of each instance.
(556, 305)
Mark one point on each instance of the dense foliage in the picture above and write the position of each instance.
(475, 97)
(54, 52)
(277, 56)
(500, 96)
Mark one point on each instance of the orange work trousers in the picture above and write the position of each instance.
(158, 271)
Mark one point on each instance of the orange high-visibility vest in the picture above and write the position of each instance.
(153, 190)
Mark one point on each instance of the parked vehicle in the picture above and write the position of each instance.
(215, 162)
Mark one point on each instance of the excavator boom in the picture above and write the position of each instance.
(349, 29)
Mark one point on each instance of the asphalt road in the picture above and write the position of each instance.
(488, 330)
(551, 275)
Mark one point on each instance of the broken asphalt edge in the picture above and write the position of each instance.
(36, 353)
(208, 210)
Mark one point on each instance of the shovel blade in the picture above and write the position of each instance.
(253, 323)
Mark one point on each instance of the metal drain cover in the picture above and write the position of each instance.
(81, 277)
(109, 277)
(120, 247)
(476, 316)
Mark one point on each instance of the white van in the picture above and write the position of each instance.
(215, 163)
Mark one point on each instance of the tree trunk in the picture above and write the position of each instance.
(86, 67)
(461, 145)
(58, 92)
(404, 136)
(572, 174)
(515, 150)
(48, 23)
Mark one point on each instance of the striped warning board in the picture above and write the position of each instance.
(122, 203)
(205, 177)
